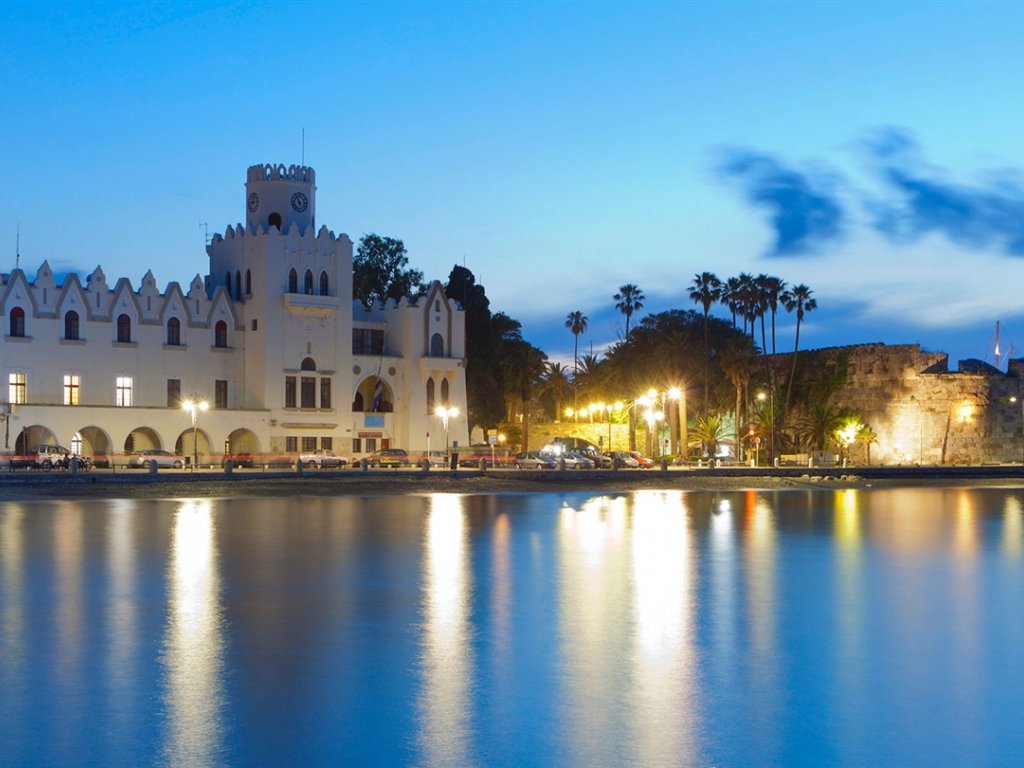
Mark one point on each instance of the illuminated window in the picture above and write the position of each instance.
(72, 388)
(123, 391)
(17, 384)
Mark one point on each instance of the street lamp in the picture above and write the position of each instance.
(771, 421)
(445, 413)
(194, 408)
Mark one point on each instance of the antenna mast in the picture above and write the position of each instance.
(303, 146)
(17, 247)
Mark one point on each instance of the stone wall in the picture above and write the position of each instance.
(925, 414)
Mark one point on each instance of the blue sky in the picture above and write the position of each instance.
(870, 150)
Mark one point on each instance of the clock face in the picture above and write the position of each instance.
(299, 202)
(254, 202)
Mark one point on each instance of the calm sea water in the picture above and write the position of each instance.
(849, 628)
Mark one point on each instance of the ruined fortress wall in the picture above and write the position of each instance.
(924, 414)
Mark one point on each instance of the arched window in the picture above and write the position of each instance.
(220, 334)
(274, 220)
(248, 283)
(174, 332)
(444, 391)
(238, 284)
(437, 305)
(357, 403)
(17, 322)
(430, 395)
(293, 281)
(308, 364)
(227, 283)
(437, 345)
(124, 328)
(307, 283)
(324, 284)
(71, 325)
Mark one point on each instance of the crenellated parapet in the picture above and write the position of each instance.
(281, 172)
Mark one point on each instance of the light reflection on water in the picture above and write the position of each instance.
(852, 628)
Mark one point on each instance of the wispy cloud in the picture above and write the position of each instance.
(803, 210)
(987, 215)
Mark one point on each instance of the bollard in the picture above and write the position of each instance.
(615, 462)
(73, 465)
(810, 462)
(365, 465)
(229, 467)
(455, 460)
(776, 461)
(844, 463)
(425, 465)
(298, 466)
(561, 465)
(483, 465)
(700, 463)
(152, 468)
(751, 463)
(664, 464)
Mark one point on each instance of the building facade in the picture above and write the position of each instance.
(271, 339)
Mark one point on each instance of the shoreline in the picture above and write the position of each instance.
(216, 484)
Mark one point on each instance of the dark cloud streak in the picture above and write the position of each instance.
(980, 216)
(803, 212)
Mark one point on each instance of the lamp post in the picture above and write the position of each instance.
(445, 413)
(194, 407)
(771, 422)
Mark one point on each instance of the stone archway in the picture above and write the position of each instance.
(243, 441)
(92, 441)
(142, 439)
(31, 437)
(185, 446)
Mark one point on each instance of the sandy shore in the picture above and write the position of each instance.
(25, 486)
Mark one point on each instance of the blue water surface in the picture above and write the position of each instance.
(791, 628)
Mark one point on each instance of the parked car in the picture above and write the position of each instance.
(155, 457)
(389, 457)
(242, 460)
(322, 458)
(436, 458)
(534, 460)
(624, 459)
(574, 460)
(642, 460)
(49, 457)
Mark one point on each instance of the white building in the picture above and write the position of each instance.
(271, 339)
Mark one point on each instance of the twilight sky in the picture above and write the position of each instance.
(873, 151)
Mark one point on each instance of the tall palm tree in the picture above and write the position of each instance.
(747, 301)
(738, 361)
(762, 294)
(628, 300)
(705, 290)
(731, 297)
(577, 323)
(775, 287)
(557, 381)
(797, 299)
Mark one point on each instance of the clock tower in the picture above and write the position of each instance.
(279, 196)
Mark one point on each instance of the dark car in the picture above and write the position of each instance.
(389, 457)
(242, 460)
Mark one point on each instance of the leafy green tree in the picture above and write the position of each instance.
(526, 365)
(739, 359)
(628, 300)
(380, 271)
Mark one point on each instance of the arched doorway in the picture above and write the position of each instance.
(373, 395)
(92, 441)
(243, 441)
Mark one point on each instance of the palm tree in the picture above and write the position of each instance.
(628, 300)
(706, 290)
(748, 301)
(577, 323)
(797, 299)
(775, 287)
(731, 297)
(866, 436)
(528, 366)
(557, 381)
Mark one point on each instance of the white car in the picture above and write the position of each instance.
(322, 458)
(156, 458)
(575, 460)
